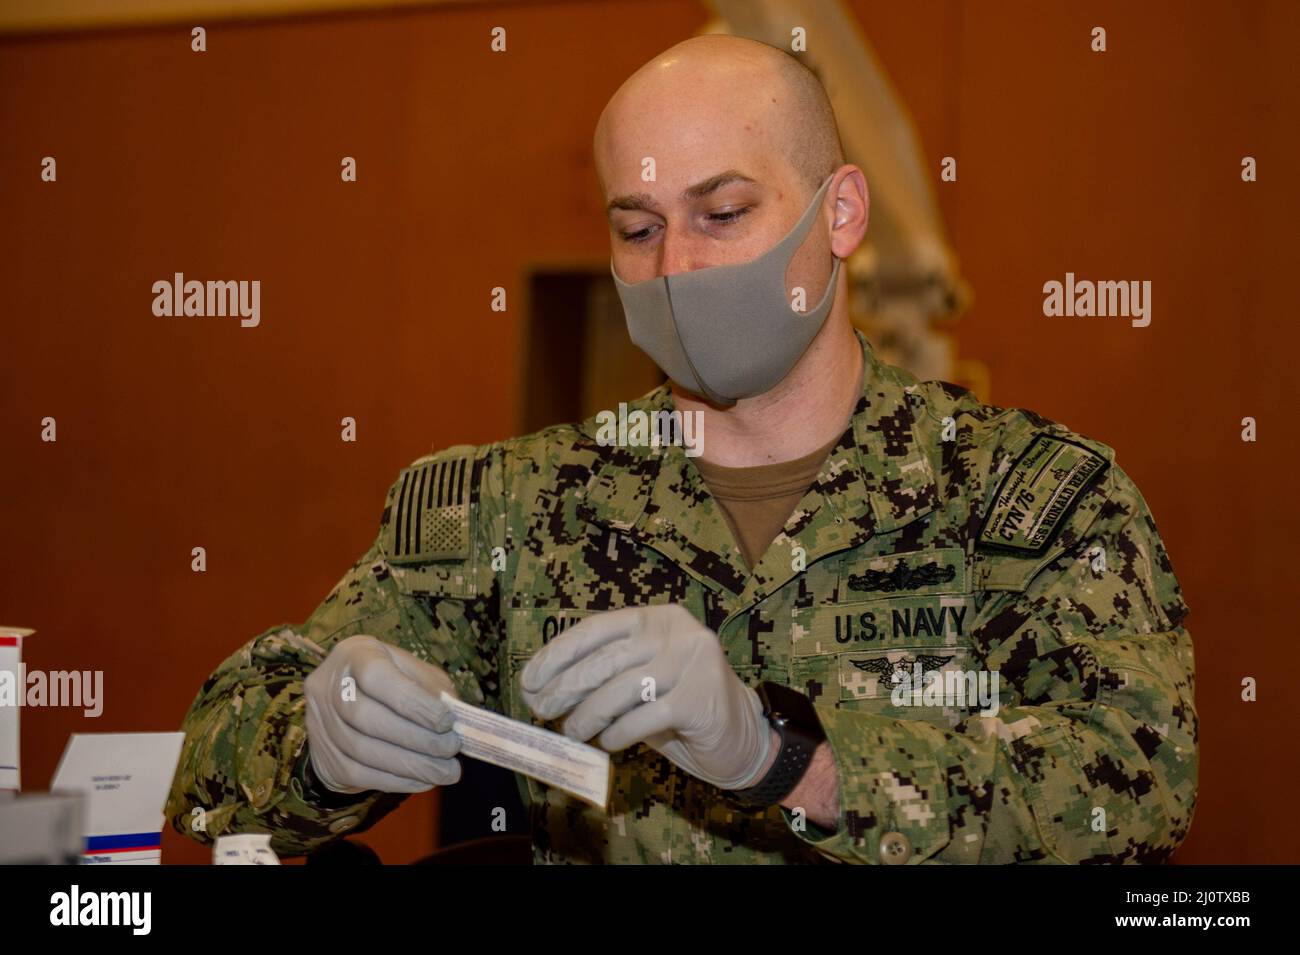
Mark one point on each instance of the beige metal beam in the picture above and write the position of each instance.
(906, 232)
(41, 16)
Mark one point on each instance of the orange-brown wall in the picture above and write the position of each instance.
(225, 165)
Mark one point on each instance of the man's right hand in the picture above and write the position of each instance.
(386, 729)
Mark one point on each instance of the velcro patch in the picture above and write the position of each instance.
(430, 517)
(1039, 492)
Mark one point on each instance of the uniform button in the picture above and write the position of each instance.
(261, 792)
(894, 848)
(344, 824)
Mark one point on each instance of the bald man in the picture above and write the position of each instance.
(868, 620)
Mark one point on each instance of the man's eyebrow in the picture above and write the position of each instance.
(642, 200)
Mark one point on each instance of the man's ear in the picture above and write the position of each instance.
(850, 224)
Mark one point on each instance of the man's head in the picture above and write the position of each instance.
(741, 135)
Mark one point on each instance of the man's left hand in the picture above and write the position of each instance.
(697, 712)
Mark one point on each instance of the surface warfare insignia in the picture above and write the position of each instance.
(429, 519)
(1038, 494)
(903, 577)
(884, 669)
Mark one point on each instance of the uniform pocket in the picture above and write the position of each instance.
(904, 657)
(530, 629)
(512, 693)
(1072, 824)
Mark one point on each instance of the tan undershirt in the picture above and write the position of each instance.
(757, 501)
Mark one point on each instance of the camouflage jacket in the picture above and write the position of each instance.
(940, 535)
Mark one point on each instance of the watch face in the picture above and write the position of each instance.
(788, 705)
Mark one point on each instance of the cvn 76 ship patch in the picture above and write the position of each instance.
(1038, 494)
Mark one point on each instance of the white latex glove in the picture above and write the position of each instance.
(703, 717)
(393, 732)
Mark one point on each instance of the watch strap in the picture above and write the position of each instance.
(791, 714)
(787, 769)
(316, 793)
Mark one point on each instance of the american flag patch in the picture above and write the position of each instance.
(429, 520)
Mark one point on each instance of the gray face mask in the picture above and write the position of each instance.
(727, 332)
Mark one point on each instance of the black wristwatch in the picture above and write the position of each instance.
(316, 793)
(795, 721)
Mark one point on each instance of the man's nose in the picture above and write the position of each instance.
(676, 254)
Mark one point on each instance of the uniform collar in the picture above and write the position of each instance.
(877, 479)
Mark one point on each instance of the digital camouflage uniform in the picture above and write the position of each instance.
(940, 531)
